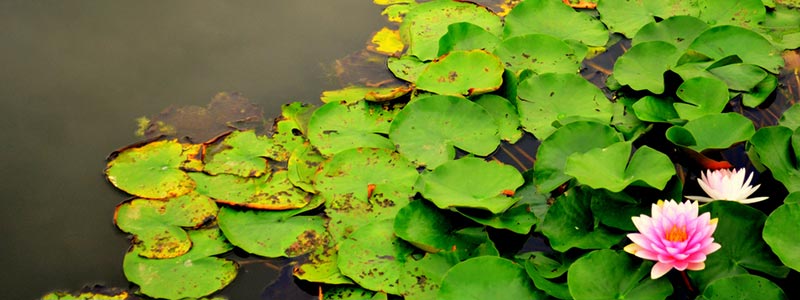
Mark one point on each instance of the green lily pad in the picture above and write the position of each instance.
(743, 286)
(615, 209)
(704, 133)
(679, 31)
(745, 13)
(302, 167)
(569, 223)
(780, 233)
(609, 274)
(426, 23)
(791, 117)
(192, 275)
(539, 53)
(610, 169)
(760, 92)
(555, 19)
(406, 67)
(541, 270)
(273, 192)
(374, 257)
(518, 218)
(546, 100)
(157, 225)
(335, 127)
(289, 129)
(271, 233)
(643, 66)
(353, 94)
(781, 26)
(459, 72)
(655, 109)
(739, 251)
(627, 17)
(740, 77)
(576, 137)
(777, 149)
(472, 182)
(703, 96)
(322, 265)
(487, 277)
(352, 293)
(505, 115)
(423, 277)
(727, 40)
(467, 36)
(241, 153)
(104, 294)
(151, 171)
(427, 130)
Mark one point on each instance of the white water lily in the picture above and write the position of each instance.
(727, 185)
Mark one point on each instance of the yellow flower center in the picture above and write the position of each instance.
(676, 234)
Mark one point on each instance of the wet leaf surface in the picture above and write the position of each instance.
(150, 171)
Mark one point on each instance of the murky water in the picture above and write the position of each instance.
(75, 74)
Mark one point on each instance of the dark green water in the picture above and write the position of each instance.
(75, 74)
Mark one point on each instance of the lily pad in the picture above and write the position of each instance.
(703, 96)
(743, 286)
(335, 127)
(426, 23)
(406, 67)
(352, 293)
(322, 265)
(289, 130)
(151, 171)
(679, 31)
(484, 277)
(744, 13)
(550, 100)
(270, 233)
(471, 72)
(610, 169)
(539, 53)
(467, 36)
(302, 167)
(655, 109)
(505, 115)
(273, 192)
(569, 223)
(727, 40)
(609, 274)
(241, 153)
(373, 257)
(427, 130)
(760, 92)
(555, 19)
(643, 66)
(576, 137)
(386, 41)
(157, 226)
(780, 233)
(192, 275)
(423, 277)
(777, 149)
(627, 17)
(704, 133)
(472, 182)
(740, 77)
(353, 94)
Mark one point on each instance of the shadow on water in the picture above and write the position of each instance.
(76, 75)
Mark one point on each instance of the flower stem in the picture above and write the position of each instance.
(686, 281)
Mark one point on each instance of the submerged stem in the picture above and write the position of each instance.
(686, 281)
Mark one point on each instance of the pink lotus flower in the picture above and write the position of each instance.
(675, 237)
(728, 185)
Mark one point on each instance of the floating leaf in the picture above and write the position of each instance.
(519, 218)
(289, 129)
(610, 169)
(423, 225)
(743, 286)
(335, 127)
(539, 53)
(555, 19)
(609, 274)
(302, 167)
(484, 277)
(386, 41)
(655, 109)
(467, 36)
(241, 153)
(727, 40)
(270, 233)
(459, 72)
(426, 23)
(679, 31)
(740, 77)
(627, 17)
(353, 94)
(192, 275)
(274, 192)
(703, 96)
(504, 114)
(549, 100)
(569, 224)
(704, 133)
(373, 257)
(780, 233)
(150, 171)
(745, 13)
(777, 149)
(422, 278)
(427, 129)
(760, 92)
(643, 66)
(96, 292)
(352, 293)
(322, 265)
(472, 182)
(406, 67)
(157, 225)
(576, 137)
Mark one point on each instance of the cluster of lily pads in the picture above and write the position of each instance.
(392, 191)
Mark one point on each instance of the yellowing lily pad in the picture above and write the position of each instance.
(469, 72)
(241, 153)
(353, 94)
(427, 130)
(151, 171)
(272, 192)
(302, 167)
(272, 233)
(386, 41)
(472, 182)
(157, 226)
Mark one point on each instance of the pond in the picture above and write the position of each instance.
(75, 77)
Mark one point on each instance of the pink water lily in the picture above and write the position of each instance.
(674, 236)
(728, 185)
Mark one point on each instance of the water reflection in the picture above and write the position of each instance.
(76, 75)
